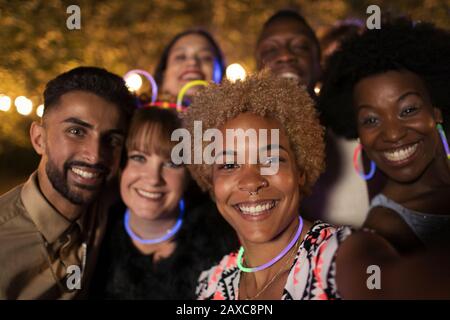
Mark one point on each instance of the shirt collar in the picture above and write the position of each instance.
(50, 223)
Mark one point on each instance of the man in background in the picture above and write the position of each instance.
(288, 47)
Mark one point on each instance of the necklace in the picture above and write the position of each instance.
(282, 268)
(170, 233)
(274, 260)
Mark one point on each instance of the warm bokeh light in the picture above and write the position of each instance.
(40, 110)
(24, 105)
(235, 72)
(5, 102)
(134, 82)
(317, 88)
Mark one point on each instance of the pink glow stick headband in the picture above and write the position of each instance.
(149, 77)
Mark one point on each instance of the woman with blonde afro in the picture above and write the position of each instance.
(283, 256)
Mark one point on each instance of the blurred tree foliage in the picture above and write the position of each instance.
(120, 35)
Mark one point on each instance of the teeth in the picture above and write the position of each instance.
(150, 195)
(192, 76)
(400, 154)
(256, 209)
(84, 174)
(289, 75)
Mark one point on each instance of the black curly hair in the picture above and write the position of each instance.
(401, 44)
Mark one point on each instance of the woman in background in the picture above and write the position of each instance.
(191, 55)
(389, 87)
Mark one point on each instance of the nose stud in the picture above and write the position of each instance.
(254, 193)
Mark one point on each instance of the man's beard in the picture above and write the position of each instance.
(59, 182)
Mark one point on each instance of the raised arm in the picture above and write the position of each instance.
(364, 256)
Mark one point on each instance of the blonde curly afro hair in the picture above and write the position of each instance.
(267, 96)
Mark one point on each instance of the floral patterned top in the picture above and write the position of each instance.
(311, 277)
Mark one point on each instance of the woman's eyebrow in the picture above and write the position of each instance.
(225, 152)
(363, 106)
(269, 147)
(403, 96)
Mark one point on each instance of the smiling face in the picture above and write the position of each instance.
(286, 48)
(82, 139)
(151, 185)
(259, 207)
(190, 58)
(397, 123)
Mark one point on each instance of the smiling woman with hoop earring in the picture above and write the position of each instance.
(397, 103)
(160, 238)
(283, 256)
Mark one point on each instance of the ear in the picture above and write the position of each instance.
(37, 136)
(438, 115)
(301, 178)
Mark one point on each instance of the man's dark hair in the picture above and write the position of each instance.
(162, 64)
(420, 48)
(286, 14)
(98, 81)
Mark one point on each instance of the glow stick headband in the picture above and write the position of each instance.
(185, 88)
(153, 103)
(217, 73)
(149, 77)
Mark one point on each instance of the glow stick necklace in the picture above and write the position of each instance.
(149, 77)
(170, 233)
(274, 260)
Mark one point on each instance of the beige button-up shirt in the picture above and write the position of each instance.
(34, 243)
